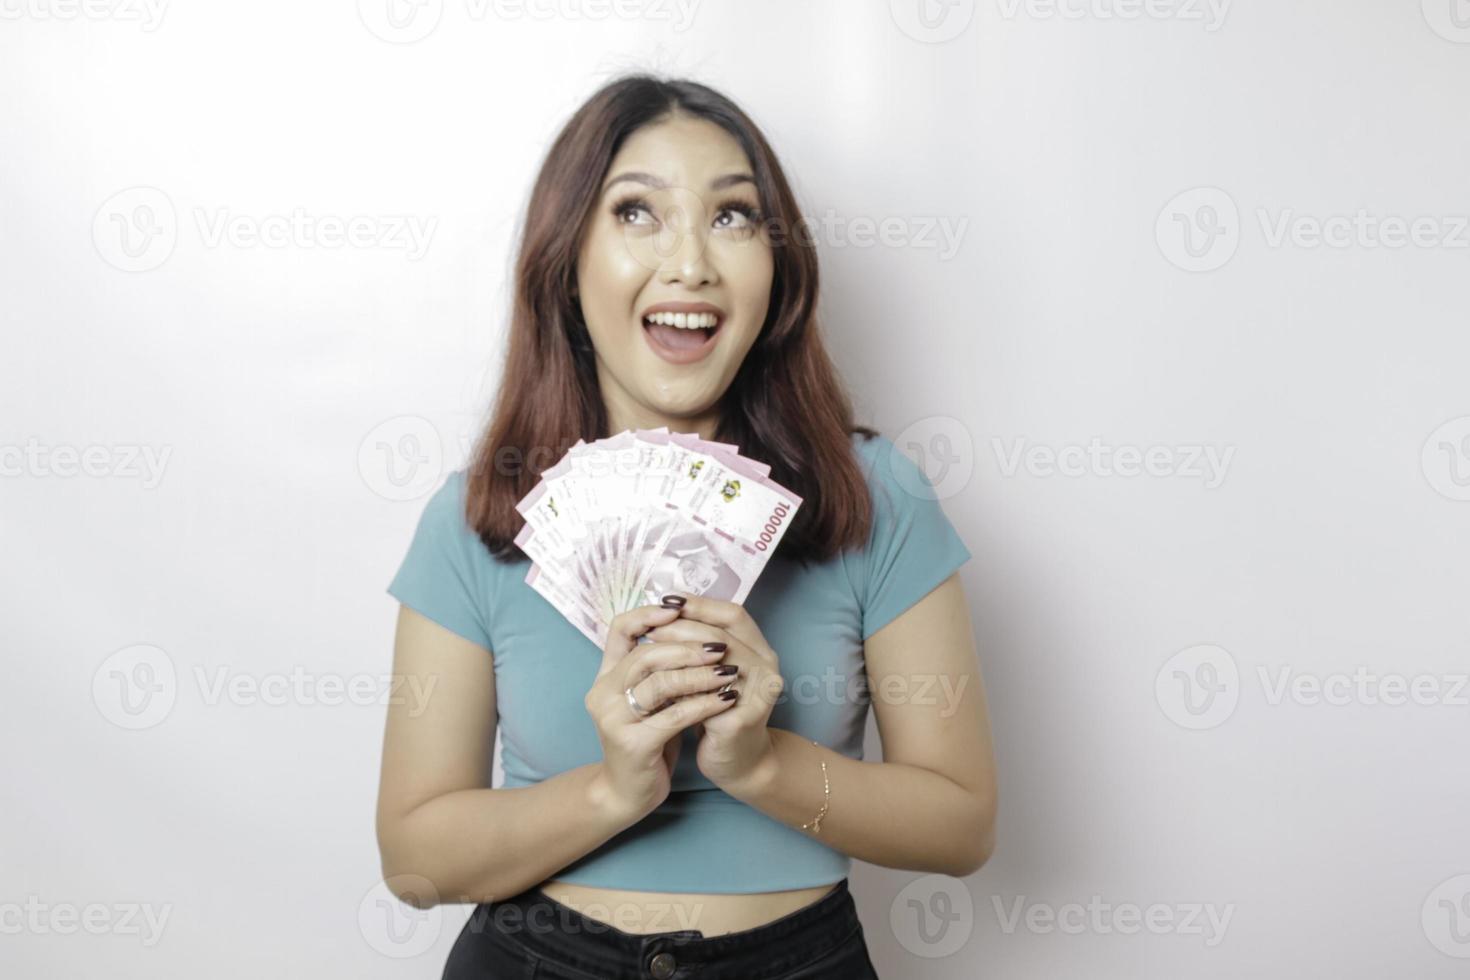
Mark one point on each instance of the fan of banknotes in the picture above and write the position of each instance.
(619, 522)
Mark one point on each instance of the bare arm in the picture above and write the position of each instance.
(443, 836)
(930, 805)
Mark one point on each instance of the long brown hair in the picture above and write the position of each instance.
(786, 405)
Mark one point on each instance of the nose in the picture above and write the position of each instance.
(687, 260)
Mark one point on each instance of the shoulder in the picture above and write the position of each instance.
(453, 487)
(870, 450)
(893, 478)
(864, 444)
(446, 575)
(446, 521)
(447, 518)
(446, 506)
(912, 546)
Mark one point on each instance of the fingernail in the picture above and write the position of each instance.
(672, 602)
(714, 646)
(729, 695)
(726, 669)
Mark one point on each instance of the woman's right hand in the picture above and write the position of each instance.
(677, 681)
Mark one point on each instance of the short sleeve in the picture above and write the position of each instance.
(446, 574)
(913, 547)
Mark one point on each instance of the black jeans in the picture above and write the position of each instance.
(531, 936)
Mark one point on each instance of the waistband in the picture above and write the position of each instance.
(560, 934)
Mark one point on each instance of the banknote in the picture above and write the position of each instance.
(618, 522)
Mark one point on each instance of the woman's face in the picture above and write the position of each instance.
(675, 224)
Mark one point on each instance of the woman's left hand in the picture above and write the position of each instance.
(735, 746)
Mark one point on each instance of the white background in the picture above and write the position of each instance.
(300, 400)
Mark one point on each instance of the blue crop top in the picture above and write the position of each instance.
(700, 839)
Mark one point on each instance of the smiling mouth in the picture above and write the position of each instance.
(682, 332)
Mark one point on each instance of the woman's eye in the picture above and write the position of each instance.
(633, 207)
(734, 217)
(742, 217)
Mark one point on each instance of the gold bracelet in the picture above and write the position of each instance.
(815, 824)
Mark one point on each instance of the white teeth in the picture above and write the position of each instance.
(684, 321)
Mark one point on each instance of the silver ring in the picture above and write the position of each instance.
(638, 709)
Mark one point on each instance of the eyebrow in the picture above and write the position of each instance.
(637, 176)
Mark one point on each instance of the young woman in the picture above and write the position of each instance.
(647, 826)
